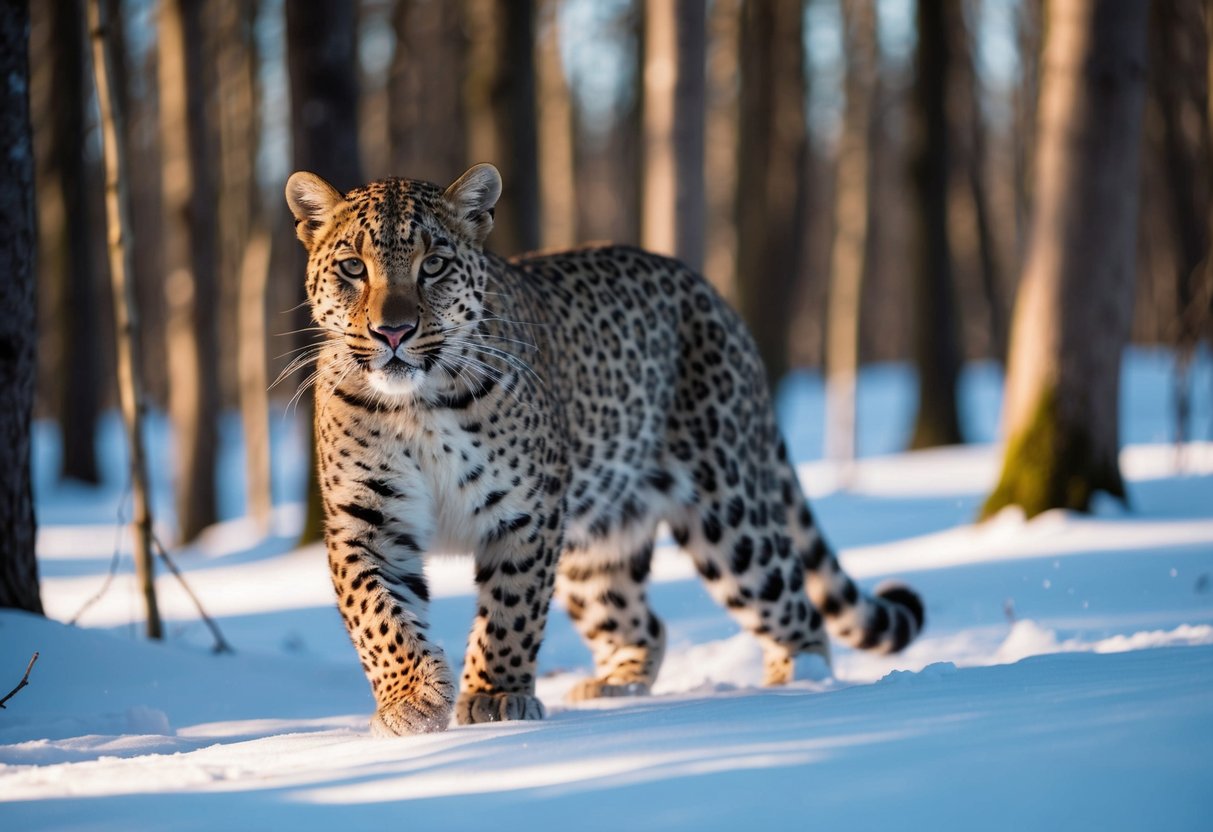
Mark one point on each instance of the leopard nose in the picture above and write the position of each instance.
(393, 335)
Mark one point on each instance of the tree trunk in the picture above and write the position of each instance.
(191, 286)
(674, 84)
(426, 119)
(19, 323)
(853, 218)
(79, 372)
(1075, 301)
(499, 94)
(126, 311)
(936, 337)
(721, 128)
(557, 179)
(970, 127)
(322, 59)
(771, 172)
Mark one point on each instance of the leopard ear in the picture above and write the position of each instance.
(472, 198)
(312, 201)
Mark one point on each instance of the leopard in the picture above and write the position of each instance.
(547, 413)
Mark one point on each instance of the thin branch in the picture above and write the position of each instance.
(221, 645)
(24, 680)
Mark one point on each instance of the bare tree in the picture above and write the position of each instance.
(720, 153)
(191, 284)
(853, 218)
(1073, 312)
(936, 336)
(18, 324)
(674, 89)
(969, 127)
(1178, 57)
(499, 96)
(126, 309)
(425, 117)
(321, 42)
(558, 192)
(771, 171)
(70, 249)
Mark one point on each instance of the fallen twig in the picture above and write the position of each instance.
(221, 645)
(24, 680)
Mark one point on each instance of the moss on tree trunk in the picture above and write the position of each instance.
(1053, 463)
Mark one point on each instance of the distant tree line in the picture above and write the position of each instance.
(876, 199)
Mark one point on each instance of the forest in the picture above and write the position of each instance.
(1013, 197)
(857, 177)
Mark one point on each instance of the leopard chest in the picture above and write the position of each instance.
(449, 484)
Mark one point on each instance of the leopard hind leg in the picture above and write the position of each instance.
(602, 585)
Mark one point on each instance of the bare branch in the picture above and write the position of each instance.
(24, 680)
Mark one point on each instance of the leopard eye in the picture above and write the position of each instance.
(433, 265)
(352, 267)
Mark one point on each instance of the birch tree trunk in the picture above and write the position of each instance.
(1073, 312)
(853, 218)
(126, 310)
(19, 323)
(191, 284)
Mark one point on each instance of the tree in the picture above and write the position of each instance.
(321, 43)
(70, 249)
(106, 47)
(426, 119)
(936, 344)
(674, 87)
(19, 323)
(499, 96)
(1075, 301)
(1182, 145)
(853, 218)
(191, 284)
(772, 156)
(557, 180)
(245, 239)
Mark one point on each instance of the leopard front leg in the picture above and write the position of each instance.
(515, 573)
(382, 596)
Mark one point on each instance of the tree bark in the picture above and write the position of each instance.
(936, 336)
(970, 128)
(78, 403)
(1074, 308)
(674, 87)
(19, 323)
(426, 119)
(721, 128)
(499, 94)
(771, 171)
(557, 178)
(191, 285)
(322, 59)
(126, 310)
(853, 219)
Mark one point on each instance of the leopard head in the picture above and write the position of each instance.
(396, 271)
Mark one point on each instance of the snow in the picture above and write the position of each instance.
(1063, 680)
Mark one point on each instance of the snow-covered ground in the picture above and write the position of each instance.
(1065, 679)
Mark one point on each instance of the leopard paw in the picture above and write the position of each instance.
(605, 688)
(481, 706)
(423, 713)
